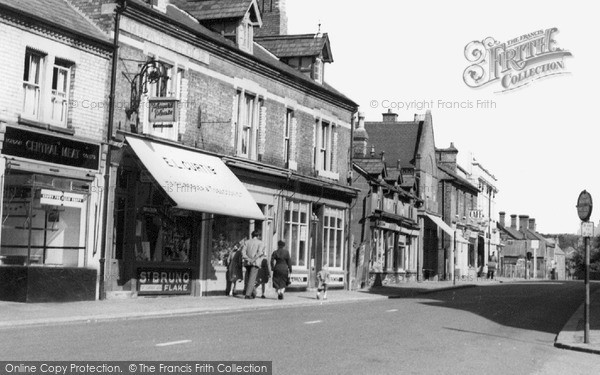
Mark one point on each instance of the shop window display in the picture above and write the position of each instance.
(44, 220)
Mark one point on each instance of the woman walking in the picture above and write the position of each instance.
(281, 264)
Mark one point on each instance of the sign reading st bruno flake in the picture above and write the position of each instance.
(515, 63)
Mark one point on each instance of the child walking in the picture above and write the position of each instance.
(323, 278)
(263, 275)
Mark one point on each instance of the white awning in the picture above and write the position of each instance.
(440, 223)
(196, 181)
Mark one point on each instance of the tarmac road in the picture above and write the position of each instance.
(497, 329)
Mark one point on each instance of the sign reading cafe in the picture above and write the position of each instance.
(514, 63)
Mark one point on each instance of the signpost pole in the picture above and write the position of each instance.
(584, 211)
(586, 314)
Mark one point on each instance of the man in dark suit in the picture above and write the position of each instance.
(253, 250)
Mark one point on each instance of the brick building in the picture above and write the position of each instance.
(385, 225)
(216, 136)
(52, 125)
(409, 146)
(458, 201)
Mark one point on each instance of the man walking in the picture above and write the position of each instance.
(253, 250)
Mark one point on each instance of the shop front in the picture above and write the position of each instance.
(51, 199)
(308, 214)
(166, 201)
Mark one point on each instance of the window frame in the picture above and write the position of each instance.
(335, 259)
(290, 225)
(36, 84)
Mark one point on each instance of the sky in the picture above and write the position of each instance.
(540, 141)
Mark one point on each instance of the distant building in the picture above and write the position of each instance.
(409, 147)
(385, 225)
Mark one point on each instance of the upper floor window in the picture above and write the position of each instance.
(325, 146)
(40, 102)
(325, 149)
(61, 78)
(32, 83)
(288, 137)
(249, 118)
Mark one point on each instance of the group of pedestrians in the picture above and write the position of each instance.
(252, 256)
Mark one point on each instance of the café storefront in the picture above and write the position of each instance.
(166, 200)
(51, 198)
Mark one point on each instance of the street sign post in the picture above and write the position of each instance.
(584, 211)
(535, 244)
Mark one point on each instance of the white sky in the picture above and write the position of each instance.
(540, 141)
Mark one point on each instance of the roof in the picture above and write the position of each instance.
(373, 166)
(58, 13)
(398, 139)
(181, 17)
(455, 177)
(514, 233)
(297, 45)
(205, 10)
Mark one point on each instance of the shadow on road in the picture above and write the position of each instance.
(542, 306)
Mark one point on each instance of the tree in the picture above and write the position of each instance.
(577, 262)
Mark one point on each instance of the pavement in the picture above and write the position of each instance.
(15, 314)
(572, 335)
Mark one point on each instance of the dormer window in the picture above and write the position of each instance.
(307, 52)
(234, 20)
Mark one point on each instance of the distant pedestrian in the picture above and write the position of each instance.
(323, 279)
(281, 263)
(263, 275)
(234, 273)
(253, 250)
(492, 265)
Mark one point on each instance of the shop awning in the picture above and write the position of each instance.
(196, 181)
(440, 223)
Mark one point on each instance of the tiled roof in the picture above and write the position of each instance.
(514, 233)
(399, 140)
(214, 9)
(58, 13)
(454, 176)
(263, 56)
(371, 166)
(297, 45)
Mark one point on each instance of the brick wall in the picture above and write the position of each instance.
(89, 84)
(211, 92)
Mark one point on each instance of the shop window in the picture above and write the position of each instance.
(228, 234)
(333, 237)
(44, 220)
(295, 231)
(162, 233)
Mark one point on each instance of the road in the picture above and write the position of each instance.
(497, 329)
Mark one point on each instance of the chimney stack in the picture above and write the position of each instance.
(502, 218)
(390, 116)
(274, 17)
(361, 137)
(372, 151)
(513, 221)
(532, 224)
(523, 222)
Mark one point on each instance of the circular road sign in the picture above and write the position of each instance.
(584, 206)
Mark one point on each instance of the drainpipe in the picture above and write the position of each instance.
(348, 285)
(111, 111)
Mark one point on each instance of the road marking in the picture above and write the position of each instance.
(313, 322)
(392, 310)
(174, 343)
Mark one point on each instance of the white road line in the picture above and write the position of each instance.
(392, 310)
(174, 343)
(313, 322)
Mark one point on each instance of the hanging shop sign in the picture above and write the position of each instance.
(50, 149)
(164, 281)
(162, 112)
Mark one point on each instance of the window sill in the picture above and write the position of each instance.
(42, 125)
(328, 174)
